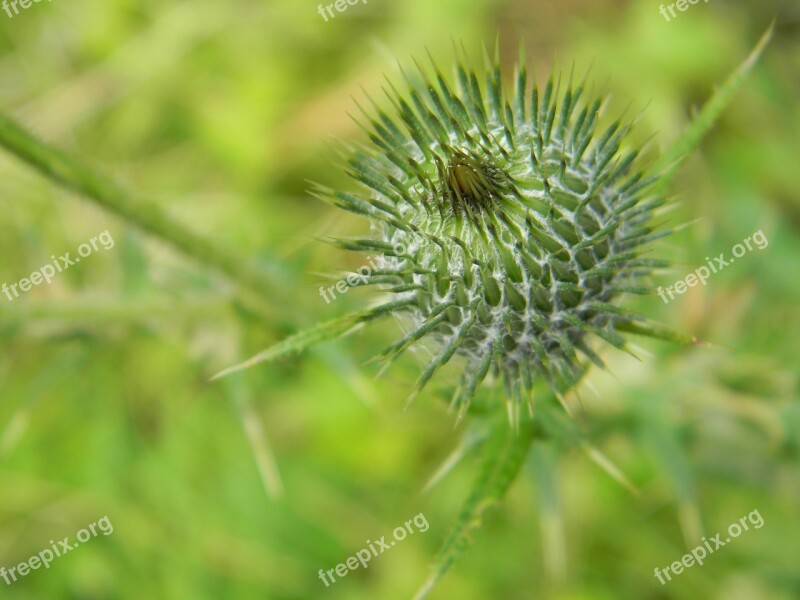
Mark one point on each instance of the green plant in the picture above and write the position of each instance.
(524, 233)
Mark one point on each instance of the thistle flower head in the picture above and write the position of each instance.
(507, 225)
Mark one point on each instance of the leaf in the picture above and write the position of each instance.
(312, 336)
(297, 343)
(658, 331)
(473, 437)
(504, 453)
(708, 115)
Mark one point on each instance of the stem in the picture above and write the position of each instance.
(70, 174)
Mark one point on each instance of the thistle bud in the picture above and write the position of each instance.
(520, 224)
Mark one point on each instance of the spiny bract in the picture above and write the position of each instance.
(506, 226)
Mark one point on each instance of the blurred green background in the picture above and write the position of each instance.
(244, 488)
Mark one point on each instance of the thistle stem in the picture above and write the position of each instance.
(74, 176)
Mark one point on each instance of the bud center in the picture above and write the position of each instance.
(472, 182)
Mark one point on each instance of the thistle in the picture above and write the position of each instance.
(507, 227)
